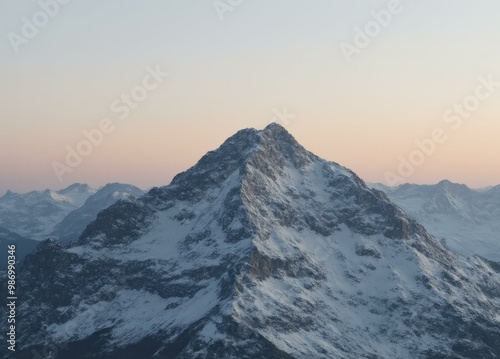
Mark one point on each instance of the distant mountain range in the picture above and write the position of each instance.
(61, 215)
(467, 219)
(261, 250)
(35, 214)
(73, 224)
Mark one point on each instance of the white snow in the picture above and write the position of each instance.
(469, 220)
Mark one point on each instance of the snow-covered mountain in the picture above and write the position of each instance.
(74, 223)
(468, 219)
(35, 214)
(261, 250)
(61, 215)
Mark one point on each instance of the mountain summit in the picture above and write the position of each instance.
(260, 250)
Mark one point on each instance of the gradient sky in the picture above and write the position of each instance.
(232, 74)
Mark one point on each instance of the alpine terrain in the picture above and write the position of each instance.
(24, 245)
(467, 219)
(34, 214)
(75, 222)
(60, 215)
(261, 250)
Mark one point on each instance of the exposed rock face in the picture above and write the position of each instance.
(261, 250)
(72, 226)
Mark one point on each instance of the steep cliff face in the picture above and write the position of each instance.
(72, 226)
(261, 250)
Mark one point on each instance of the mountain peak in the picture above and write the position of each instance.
(275, 128)
(75, 188)
(281, 137)
(9, 194)
(278, 133)
(449, 188)
(115, 186)
(260, 250)
(269, 149)
(448, 184)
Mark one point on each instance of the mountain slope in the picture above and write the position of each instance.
(469, 220)
(34, 214)
(74, 223)
(261, 250)
(23, 245)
